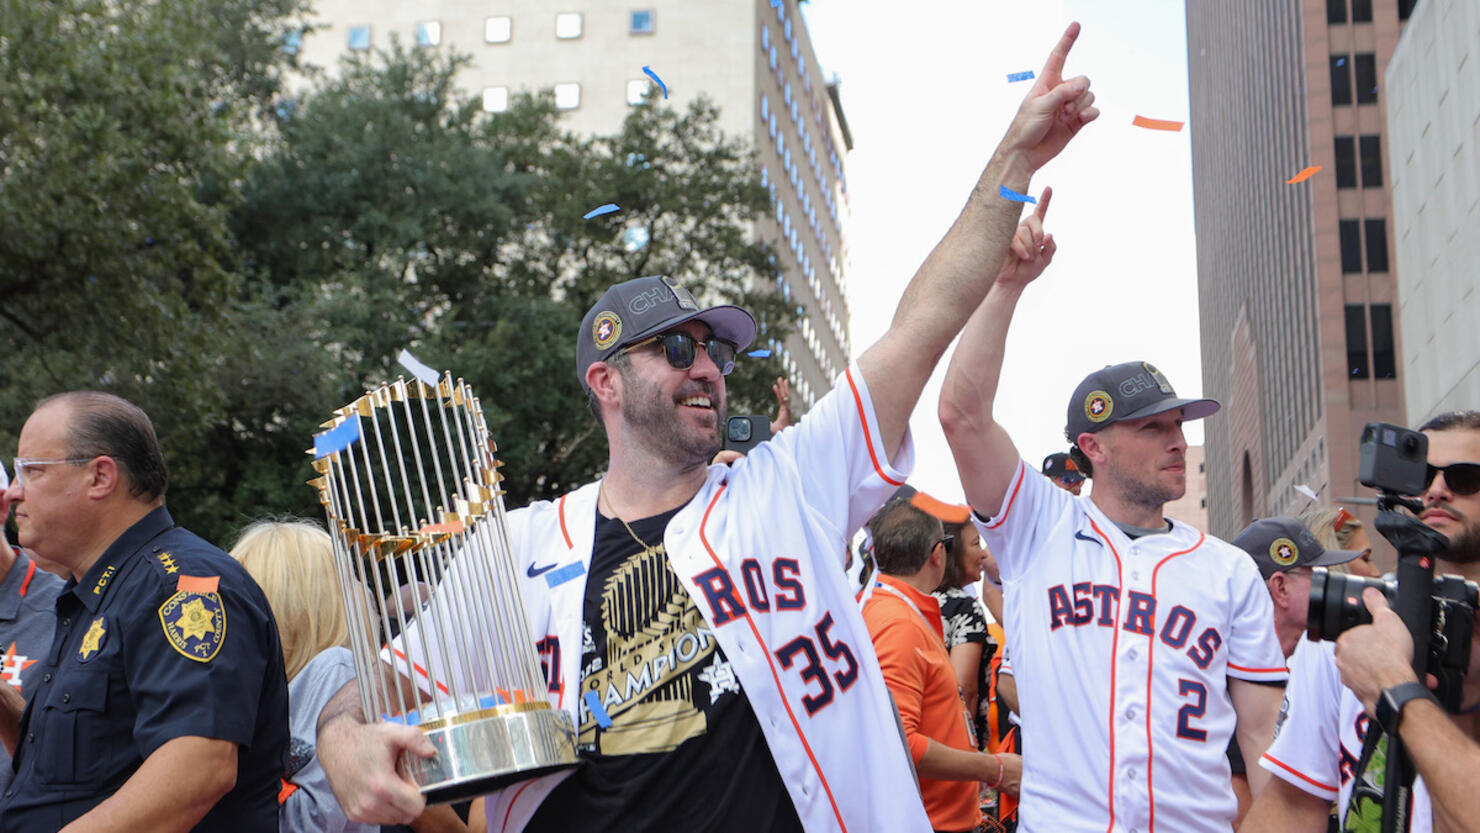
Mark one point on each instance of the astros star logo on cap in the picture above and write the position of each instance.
(1283, 552)
(1098, 406)
(606, 329)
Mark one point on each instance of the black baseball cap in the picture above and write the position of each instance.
(1061, 466)
(634, 310)
(1284, 543)
(1126, 391)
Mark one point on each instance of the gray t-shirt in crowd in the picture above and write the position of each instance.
(28, 624)
(312, 807)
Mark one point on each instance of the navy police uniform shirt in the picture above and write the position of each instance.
(165, 637)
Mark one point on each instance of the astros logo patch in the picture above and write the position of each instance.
(194, 623)
(606, 329)
(1283, 552)
(92, 641)
(1098, 405)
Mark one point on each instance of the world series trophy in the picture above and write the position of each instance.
(409, 481)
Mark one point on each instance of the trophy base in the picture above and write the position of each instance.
(482, 755)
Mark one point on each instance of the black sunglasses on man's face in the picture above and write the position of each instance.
(1461, 478)
(680, 349)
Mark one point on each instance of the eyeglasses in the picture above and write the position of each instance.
(947, 540)
(20, 464)
(1461, 478)
(679, 349)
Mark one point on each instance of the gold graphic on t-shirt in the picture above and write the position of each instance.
(654, 637)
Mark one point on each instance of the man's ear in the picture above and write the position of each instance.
(104, 478)
(1092, 447)
(602, 379)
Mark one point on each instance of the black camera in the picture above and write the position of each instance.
(1336, 607)
(1393, 459)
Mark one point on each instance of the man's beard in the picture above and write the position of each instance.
(1464, 548)
(656, 420)
(1150, 492)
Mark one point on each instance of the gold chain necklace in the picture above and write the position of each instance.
(645, 545)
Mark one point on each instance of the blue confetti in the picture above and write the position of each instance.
(775, 3)
(605, 209)
(1014, 77)
(593, 702)
(337, 438)
(1009, 194)
(654, 76)
(555, 578)
(759, 354)
(1341, 62)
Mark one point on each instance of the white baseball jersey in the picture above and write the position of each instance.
(1122, 652)
(759, 550)
(1318, 743)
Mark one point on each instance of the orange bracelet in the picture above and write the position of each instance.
(1001, 772)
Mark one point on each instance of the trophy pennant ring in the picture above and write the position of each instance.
(409, 481)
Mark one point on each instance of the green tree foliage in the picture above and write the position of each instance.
(240, 263)
(125, 129)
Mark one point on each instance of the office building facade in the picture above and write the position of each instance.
(1296, 288)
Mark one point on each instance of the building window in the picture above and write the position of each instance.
(359, 37)
(568, 96)
(1351, 246)
(1384, 356)
(1377, 253)
(640, 22)
(429, 33)
(1361, 11)
(1335, 11)
(1341, 80)
(495, 99)
(1356, 342)
(637, 91)
(1405, 8)
(568, 25)
(775, 57)
(498, 29)
(1366, 78)
(1346, 162)
(1371, 161)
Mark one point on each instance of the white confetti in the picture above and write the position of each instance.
(419, 370)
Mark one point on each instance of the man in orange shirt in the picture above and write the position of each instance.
(904, 621)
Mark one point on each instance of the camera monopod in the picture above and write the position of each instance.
(1417, 546)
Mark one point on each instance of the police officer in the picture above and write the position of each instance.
(162, 703)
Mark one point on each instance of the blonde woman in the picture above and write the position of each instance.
(1338, 529)
(293, 561)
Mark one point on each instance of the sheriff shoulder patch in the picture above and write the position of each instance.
(194, 623)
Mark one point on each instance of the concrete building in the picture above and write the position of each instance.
(752, 58)
(1433, 84)
(1295, 286)
(1192, 507)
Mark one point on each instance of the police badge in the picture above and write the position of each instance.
(194, 623)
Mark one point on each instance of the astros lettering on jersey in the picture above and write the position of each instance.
(1122, 651)
(759, 550)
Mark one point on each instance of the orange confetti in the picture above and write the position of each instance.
(197, 584)
(1157, 124)
(1303, 175)
(452, 528)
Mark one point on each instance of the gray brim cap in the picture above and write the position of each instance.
(1121, 392)
(1284, 543)
(642, 307)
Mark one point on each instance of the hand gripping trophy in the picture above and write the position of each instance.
(408, 478)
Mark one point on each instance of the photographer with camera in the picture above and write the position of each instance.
(1317, 756)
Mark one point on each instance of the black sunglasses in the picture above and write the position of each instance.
(679, 349)
(947, 541)
(1461, 478)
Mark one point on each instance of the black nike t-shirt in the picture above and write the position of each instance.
(668, 741)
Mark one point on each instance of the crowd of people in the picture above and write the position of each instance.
(1033, 658)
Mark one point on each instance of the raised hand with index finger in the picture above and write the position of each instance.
(1054, 111)
(1032, 248)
